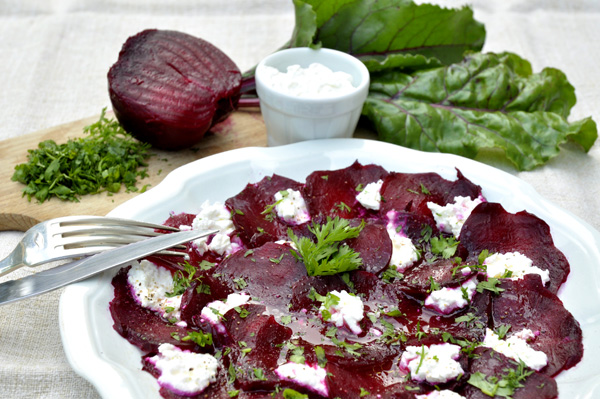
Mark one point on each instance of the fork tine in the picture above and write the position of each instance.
(85, 230)
(105, 220)
(68, 243)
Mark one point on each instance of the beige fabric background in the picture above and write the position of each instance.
(54, 56)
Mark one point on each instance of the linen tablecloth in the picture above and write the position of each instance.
(54, 56)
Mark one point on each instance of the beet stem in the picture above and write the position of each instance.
(248, 102)
(248, 85)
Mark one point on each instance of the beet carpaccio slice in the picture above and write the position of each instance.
(168, 88)
(281, 320)
(492, 228)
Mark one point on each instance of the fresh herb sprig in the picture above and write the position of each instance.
(328, 255)
(102, 161)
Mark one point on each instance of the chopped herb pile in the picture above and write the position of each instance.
(106, 158)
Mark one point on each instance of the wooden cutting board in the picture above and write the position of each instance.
(241, 129)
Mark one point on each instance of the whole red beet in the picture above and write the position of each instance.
(168, 88)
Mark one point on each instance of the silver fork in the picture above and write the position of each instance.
(76, 236)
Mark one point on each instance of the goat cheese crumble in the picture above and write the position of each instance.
(214, 216)
(291, 207)
(348, 310)
(150, 284)
(446, 300)
(443, 394)
(184, 372)
(311, 377)
(404, 252)
(213, 312)
(517, 348)
(370, 196)
(515, 262)
(434, 363)
(451, 217)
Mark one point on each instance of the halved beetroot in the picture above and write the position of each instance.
(168, 88)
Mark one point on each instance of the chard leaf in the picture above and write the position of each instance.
(386, 34)
(487, 101)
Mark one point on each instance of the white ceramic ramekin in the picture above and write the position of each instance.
(290, 119)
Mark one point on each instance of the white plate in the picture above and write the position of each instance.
(113, 366)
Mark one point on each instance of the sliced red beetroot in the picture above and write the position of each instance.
(418, 280)
(168, 88)
(180, 219)
(199, 294)
(140, 326)
(333, 192)
(491, 227)
(250, 208)
(259, 332)
(412, 225)
(410, 192)
(321, 284)
(374, 246)
(468, 324)
(527, 304)
(266, 274)
(495, 365)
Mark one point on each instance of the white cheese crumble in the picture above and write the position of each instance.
(404, 253)
(516, 347)
(434, 364)
(315, 81)
(214, 216)
(451, 217)
(446, 300)
(370, 196)
(443, 394)
(515, 262)
(149, 284)
(214, 311)
(184, 372)
(311, 377)
(291, 207)
(349, 310)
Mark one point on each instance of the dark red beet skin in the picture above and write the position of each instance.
(168, 88)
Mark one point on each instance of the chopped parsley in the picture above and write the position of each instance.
(183, 279)
(503, 386)
(102, 161)
(289, 393)
(199, 337)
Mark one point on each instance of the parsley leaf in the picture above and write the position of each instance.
(327, 256)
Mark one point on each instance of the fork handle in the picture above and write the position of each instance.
(11, 263)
